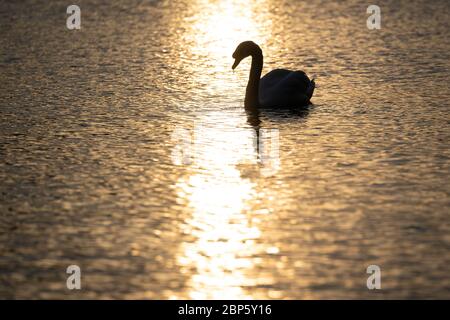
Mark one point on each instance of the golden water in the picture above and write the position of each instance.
(126, 150)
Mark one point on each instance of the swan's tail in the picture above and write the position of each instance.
(310, 89)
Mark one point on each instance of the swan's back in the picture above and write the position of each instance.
(282, 87)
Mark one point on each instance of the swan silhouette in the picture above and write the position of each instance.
(278, 88)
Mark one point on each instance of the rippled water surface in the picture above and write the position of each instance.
(125, 149)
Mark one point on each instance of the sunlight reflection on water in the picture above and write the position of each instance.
(224, 251)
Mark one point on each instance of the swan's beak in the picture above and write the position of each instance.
(236, 63)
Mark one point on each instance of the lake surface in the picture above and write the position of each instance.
(126, 150)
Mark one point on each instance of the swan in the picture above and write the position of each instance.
(278, 88)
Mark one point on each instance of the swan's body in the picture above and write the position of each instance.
(278, 88)
(282, 87)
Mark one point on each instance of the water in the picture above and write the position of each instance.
(126, 150)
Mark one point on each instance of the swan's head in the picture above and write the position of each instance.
(243, 50)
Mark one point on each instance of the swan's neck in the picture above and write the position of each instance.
(252, 92)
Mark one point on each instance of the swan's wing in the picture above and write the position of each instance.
(282, 78)
(274, 76)
(282, 87)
